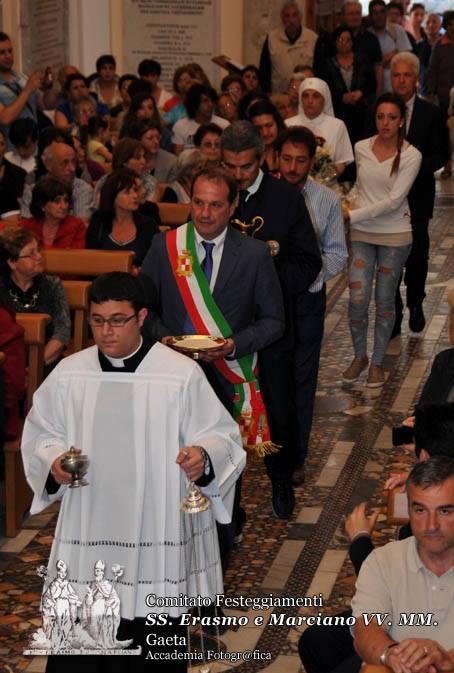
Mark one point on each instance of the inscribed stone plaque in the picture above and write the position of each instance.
(44, 34)
(173, 32)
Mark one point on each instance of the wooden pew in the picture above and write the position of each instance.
(34, 325)
(159, 193)
(77, 295)
(174, 214)
(87, 263)
(18, 495)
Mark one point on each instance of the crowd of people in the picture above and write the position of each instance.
(321, 157)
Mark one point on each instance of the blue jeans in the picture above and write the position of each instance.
(388, 261)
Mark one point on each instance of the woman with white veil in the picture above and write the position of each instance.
(315, 111)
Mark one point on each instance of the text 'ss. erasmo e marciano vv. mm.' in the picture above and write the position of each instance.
(265, 603)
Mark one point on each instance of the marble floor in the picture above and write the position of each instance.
(350, 457)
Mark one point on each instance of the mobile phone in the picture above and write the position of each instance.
(402, 434)
(48, 78)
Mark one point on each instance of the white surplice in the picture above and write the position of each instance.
(132, 426)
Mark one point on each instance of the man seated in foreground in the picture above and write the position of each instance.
(148, 421)
(434, 436)
(410, 579)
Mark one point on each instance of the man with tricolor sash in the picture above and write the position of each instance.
(206, 278)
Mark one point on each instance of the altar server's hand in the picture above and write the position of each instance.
(58, 473)
(192, 461)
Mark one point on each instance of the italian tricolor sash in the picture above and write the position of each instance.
(248, 407)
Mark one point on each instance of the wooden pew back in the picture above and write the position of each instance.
(87, 262)
(174, 214)
(77, 295)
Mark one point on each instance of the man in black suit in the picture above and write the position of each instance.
(427, 132)
(243, 283)
(274, 211)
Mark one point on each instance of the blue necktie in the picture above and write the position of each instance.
(207, 268)
(207, 264)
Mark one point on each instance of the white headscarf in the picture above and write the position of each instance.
(317, 85)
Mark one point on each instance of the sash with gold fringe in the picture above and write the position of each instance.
(248, 407)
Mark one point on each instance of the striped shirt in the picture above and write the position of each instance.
(325, 209)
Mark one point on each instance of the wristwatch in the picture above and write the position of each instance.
(384, 654)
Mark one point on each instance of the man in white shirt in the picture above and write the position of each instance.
(409, 584)
(200, 101)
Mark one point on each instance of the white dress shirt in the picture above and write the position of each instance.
(216, 252)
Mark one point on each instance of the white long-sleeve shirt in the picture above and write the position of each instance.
(382, 205)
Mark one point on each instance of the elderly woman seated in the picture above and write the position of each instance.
(188, 163)
(51, 223)
(25, 288)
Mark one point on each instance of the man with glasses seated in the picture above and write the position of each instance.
(148, 421)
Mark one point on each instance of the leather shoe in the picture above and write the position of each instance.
(283, 499)
(417, 320)
(298, 476)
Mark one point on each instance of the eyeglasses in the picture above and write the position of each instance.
(34, 254)
(209, 144)
(114, 321)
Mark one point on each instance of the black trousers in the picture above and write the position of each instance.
(310, 320)
(328, 649)
(277, 387)
(128, 629)
(416, 267)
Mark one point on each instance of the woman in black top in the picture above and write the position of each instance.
(351, 79)
(117, 224)
(26, 289)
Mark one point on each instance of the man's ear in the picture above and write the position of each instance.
(141, 315)
(424, 455)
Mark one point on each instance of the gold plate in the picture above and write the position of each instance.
(197, 342)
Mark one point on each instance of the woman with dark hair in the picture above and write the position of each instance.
(227, 108)
(150, 71)
(200, 101)
(160, 164)
(247, 101)
(251, 78)
(265, 117)
(25, 288)
(119, 111)
(51, 223)
(380, 231)
(118, 224)
(23, 135)
(235, 86)
(422, 48)
(207, 139)
(130, 154)
(174, 109)
(351, 80)
(143, 107)
(105, 84)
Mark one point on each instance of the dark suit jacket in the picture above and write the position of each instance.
(287, 221)
(429, 134)
(247, 293)
(441, 379)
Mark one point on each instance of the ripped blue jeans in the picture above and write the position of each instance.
(385, 263)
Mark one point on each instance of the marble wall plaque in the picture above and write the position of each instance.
(173, 32)
(44, 34)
